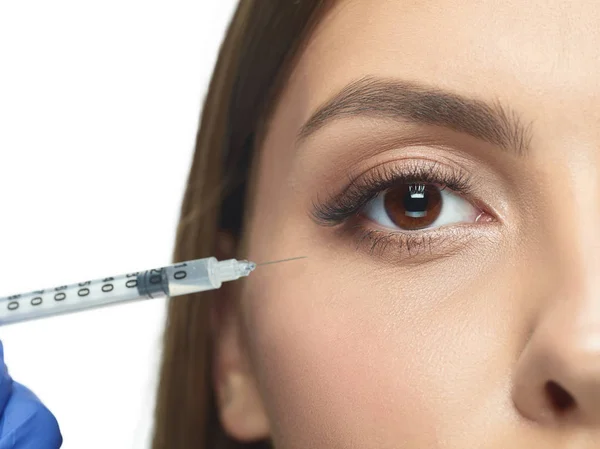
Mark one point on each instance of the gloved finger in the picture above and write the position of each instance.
(5, 381)
(27, 423)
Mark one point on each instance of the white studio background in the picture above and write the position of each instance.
(99, 105)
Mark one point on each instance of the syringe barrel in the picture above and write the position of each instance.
(191, 277)
(174, 280)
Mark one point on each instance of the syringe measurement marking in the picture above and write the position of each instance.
(107, 287)
(132, 282)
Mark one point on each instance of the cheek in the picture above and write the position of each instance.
(345, 359)
(326, 375)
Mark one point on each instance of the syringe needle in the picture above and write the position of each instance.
(279, 261)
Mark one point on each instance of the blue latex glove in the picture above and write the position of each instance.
(25, 423)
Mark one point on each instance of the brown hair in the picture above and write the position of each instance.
(262, 39)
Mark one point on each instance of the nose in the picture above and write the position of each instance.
(557, 377)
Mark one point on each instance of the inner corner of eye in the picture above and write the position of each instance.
(484, 217)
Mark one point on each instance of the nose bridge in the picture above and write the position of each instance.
(569, 334)
(576, 211)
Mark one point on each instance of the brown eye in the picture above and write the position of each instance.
(413, 206)
(416, 206)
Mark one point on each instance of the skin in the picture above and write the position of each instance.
(452, 347)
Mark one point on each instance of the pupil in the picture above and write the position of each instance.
(415, 201)
(413, 206)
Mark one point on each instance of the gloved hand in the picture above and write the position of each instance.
(25, 423)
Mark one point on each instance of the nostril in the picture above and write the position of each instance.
(560, 398)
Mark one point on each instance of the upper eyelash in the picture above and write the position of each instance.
(361, 190)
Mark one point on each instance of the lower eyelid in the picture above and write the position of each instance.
(429, 243)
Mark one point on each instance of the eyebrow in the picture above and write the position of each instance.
(404, 101)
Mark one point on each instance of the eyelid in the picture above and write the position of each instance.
(342, 210)
(430, 243)
(363, 188)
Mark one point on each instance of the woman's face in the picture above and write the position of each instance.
(438, 164)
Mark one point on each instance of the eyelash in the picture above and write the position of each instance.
(343, 207)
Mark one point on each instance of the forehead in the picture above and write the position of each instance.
(492, 49)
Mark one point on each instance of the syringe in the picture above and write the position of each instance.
(173, 280)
